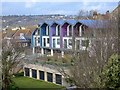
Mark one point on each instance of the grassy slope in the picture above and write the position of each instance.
(25, 82)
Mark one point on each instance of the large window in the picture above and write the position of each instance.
(41, 75)
(58, 79)
(49, 77)
(34, 73)
(27, 72)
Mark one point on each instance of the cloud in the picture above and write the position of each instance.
(30, 3)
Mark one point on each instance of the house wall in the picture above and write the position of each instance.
(46, 70)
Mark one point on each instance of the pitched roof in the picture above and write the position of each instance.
(10, 33)
(89, 23)
(72, 22)
(94, 23)
(60, 22)
(27, 32)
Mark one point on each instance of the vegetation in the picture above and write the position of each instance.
(93, 67)
(111, 73)
(11, 57)
(25, 82)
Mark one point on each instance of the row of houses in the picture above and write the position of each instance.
(63, 35)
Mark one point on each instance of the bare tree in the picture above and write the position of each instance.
(88, 64)
(11, 56)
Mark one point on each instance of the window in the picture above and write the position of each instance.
(44, 42)
(70, 42)
(54, 43)
(49, 77)
(47, 40)
(58, 41)
(85, 43)
(68, 31)
(41, 74)
(65, 43)
(83, 32)
(38, 40)
(35, 41)
(78, 44)
(47, 30)
(57, 30)
(38, 31)
(27, 72)
(58, 79)
(34, 73)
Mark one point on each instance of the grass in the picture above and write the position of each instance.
(26, 82)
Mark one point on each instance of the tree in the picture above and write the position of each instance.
(88, 64)
(11, 56)
(111, 72)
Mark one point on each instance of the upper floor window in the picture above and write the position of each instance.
(57, 30)
(38, 32)
(47, 30)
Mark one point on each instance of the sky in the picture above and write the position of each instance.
(34, 7)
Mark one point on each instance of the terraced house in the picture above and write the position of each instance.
(59, 36)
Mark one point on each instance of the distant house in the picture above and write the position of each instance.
(23, 37)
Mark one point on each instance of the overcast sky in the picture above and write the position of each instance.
(33, 7)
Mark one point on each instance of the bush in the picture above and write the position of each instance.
(111, 72)
(19, 74)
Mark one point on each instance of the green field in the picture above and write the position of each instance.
(26, 82)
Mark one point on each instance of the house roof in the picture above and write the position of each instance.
(10, 33)
(89, 23)
(94, 23)
(60, 22)
(72, 22)
(27, 32)
(49, 22)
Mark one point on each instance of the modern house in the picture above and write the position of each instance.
(62, 35)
